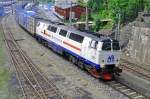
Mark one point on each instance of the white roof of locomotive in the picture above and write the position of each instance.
(73, 30)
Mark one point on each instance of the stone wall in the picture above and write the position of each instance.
(139, 44)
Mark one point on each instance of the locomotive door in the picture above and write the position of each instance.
(93, 50)
(88, 49)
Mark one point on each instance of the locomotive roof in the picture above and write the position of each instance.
(93, 35)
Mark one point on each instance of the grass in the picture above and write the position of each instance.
(4, 73)
(4, 78)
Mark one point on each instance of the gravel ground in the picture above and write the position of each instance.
(71, 81)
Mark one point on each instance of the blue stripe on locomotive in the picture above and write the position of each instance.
(58, 48)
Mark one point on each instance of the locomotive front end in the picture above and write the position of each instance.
(109, 58)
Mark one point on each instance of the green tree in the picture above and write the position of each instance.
(96, 5)
(81, 2)
(147, 5)
(109, 9)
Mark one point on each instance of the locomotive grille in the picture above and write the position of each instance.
(109, 67)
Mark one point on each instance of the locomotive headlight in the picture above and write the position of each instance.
(117, 60)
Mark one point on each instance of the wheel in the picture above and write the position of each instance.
(88, 67)
(39, 40)
(72, 59)
(36, 37)
(45, 43)
(80, 64)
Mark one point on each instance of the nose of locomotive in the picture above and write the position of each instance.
(108, 59)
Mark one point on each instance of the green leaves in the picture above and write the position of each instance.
(110, 9)
(81, 2)
(127, 8)
(96, 5)
(147, 5)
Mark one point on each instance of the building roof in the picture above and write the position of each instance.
(60, 1)
(66, 5)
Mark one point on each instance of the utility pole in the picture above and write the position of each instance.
(70, 16)
(118, 26)
(87, 15)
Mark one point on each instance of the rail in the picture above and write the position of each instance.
(33, 83)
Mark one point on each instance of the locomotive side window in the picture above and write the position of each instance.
(53, 29)
(76, 37)
(106, 45)
(63, 32)
(94, 44)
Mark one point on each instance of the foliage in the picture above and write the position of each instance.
(147, 5)
(109, 9)
(96, 5)
(81, 2)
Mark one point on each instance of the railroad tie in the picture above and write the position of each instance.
(140, 96)
(131, 93)
(125, 90)
(116, 84)
(120, 87)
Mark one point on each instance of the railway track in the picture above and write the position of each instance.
(126, 90)
(29, 85)
(118, 86)
(33, 83)
(134, 68)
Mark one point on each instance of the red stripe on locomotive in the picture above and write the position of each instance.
(72, 46)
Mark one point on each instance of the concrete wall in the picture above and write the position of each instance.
(139, 44)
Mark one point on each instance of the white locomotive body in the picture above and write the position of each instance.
(95, 54)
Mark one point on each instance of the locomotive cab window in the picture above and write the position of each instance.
(106, 45)
(63, 32)
(49, 28)
(76, 37)
(94, 44)
(116, 45)
(52, 28)
(43, 25)
(38, 24)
